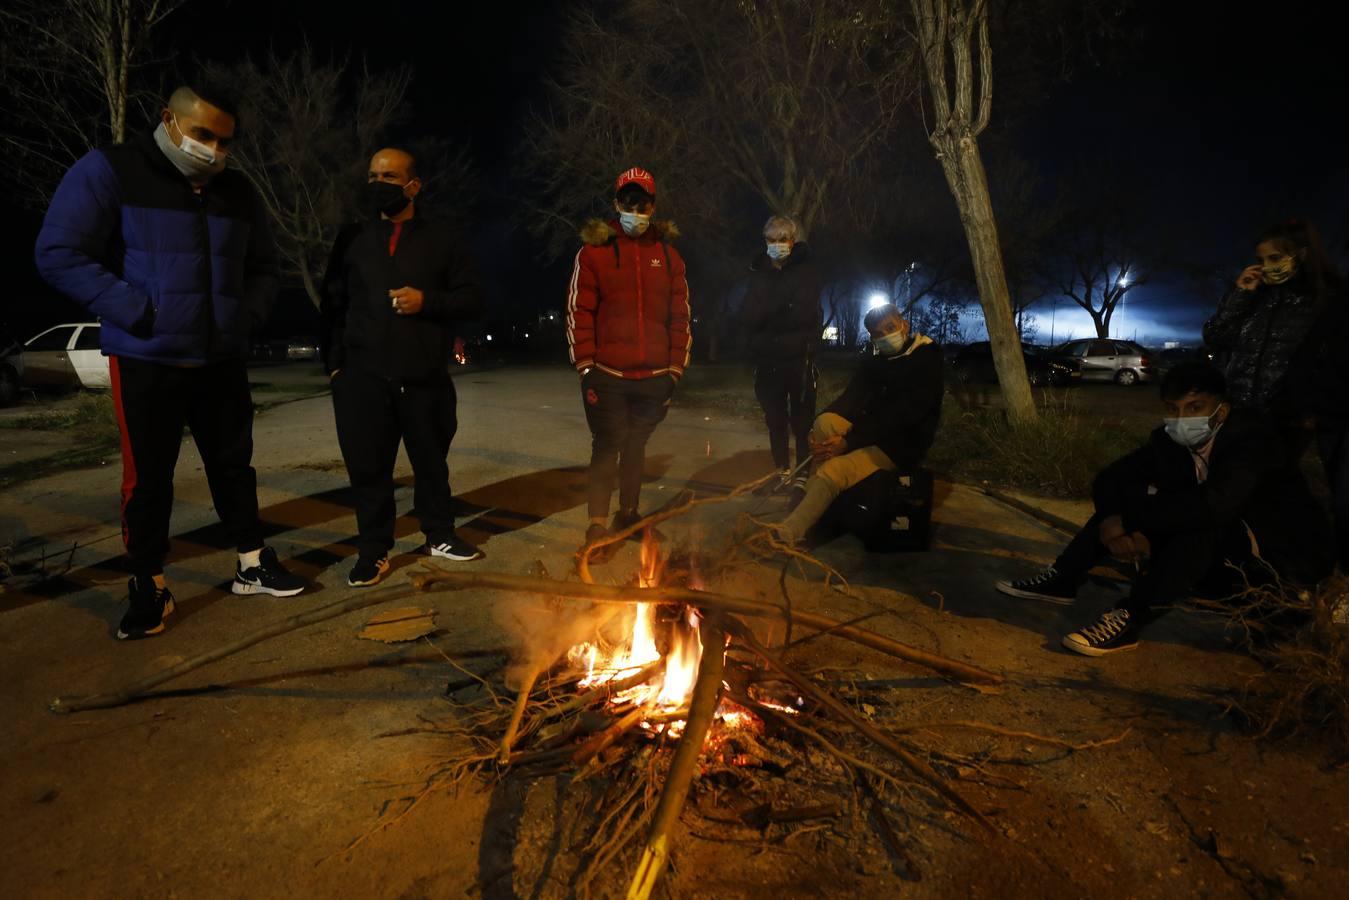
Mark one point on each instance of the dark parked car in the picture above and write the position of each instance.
(974, 363)
(1173, 356)
(1122, 362)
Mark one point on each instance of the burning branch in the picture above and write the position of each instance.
(433, 578)
(702, 707)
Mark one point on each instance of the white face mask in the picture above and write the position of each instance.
(1190, 432)
(198, 162)
(779, 249)
(890, 344)
(634, 224)
(195, 148)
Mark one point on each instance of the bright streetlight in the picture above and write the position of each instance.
(877, 299)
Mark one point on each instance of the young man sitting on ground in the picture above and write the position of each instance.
(1212, 488)
(884, 421)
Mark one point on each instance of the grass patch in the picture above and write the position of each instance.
(90, 416)
(1056, 455)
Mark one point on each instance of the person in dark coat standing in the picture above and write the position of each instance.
(395, 289)
(1210, 487)
(885, 420)
(629, 338)
(172, 251)
(782, 322)
(1265, 326)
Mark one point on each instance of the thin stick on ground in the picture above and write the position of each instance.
(702, 709)
(127, 693)
(513, 727)
(432, 578)
(884, 741)
(1019, 735)
(583, 556)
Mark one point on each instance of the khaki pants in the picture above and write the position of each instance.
(834, 477)
(842, 472)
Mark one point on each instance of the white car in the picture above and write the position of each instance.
(66, 356)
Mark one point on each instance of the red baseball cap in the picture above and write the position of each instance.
(638, 176)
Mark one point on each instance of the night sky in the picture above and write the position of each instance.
(1231, 121)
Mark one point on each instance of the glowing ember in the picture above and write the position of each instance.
(668, 695)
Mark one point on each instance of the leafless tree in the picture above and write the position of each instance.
(958, 61)
(779, 102)
(70, 77)
(1100, 246)
(309, 127)
(1097, 266)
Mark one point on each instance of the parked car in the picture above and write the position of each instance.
(1122, 362)
(974, 363)
(302, 348)
(11, 369)
(65, 356)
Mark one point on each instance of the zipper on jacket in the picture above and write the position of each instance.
(210, 273)
(641, 317)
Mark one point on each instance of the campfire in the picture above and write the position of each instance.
(661, 691)
(671, 645)
(672, 685)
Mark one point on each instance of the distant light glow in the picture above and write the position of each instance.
(877, 299)
(489, 337)
(830, 333)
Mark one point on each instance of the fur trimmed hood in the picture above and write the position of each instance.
(597, 232)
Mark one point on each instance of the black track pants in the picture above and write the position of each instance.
(622, 413)
(786, 393)
(154, 402)
(373, 414)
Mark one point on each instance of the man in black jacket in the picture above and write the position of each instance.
(782, 320)
(395, 288)
(885, 419)
(1212, 486)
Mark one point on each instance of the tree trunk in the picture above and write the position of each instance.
(965, 175)
(307, 279)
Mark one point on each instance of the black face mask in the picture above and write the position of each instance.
(386, 198)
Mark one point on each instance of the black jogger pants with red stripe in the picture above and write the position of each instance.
(154, 402)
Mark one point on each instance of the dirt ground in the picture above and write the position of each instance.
(253, 777)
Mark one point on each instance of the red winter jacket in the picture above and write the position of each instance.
(628, 303)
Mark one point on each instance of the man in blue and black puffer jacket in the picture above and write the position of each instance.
(173, 253)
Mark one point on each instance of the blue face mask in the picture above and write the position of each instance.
(779, 249)
(634, 224)
(890, 344)
(1190, 432)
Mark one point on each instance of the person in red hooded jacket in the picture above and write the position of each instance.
(628, 330)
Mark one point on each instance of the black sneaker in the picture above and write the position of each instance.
(267, 577)
(368, 572)
(150, 606)
(1049, 584)
(453, 548)
(1111, 633)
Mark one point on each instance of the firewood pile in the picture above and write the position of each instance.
(671, 692)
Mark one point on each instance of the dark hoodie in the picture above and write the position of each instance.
(1248, 480)
(781, 312)
(894, 402)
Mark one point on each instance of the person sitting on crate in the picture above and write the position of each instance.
(877, 432)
